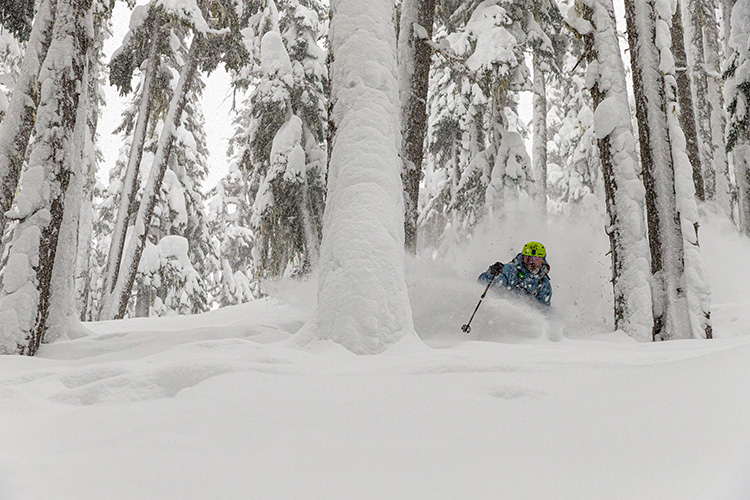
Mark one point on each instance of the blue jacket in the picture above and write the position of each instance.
(516, 278)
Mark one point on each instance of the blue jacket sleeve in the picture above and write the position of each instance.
(509, 276)
(544, 293)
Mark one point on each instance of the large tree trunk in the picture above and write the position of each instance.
(362, 297)
(18, 121)
(539, 148)
(742, 173)
(414, 70)
(83, 267)
(715, 99)
(669, 288)
(116, 302)
(130, 182)
(624, 191)
(685, 97)
(35, 276)
(693, 13)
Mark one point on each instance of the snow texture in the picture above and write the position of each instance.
(220, 405)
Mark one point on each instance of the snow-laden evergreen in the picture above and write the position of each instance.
(232, 277)
(478, 152)
(18, 117)
(574, 171)
(177, 131)
(414, 61)
(37, 293)
(698, 292)
(713, 61)
(737, 96)
(11, 55)
(693, 15)
(280, 136)
(625, 194)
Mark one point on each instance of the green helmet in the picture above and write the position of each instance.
(534, 249)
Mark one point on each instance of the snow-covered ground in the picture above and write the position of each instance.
(223, 406)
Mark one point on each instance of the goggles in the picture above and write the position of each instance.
(532, 259)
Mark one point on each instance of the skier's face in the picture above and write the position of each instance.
(532, 263)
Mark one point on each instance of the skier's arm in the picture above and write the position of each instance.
(544, 292)
(491, 274)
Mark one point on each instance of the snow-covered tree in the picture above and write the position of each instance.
(171, 284)
(575, 174)
(713, 61)
(625, 196)
(11, 55)
(693, 15)
(475, 144)
(18, 119)
(543, 27)
(687, 108)
(16, 17)
(142, 48)
(37, 294)
(417, 19)
(737, 97)
(233, 281)
(86, 275)
(280, 135)
(212, 41)
(362, 297)
(679, 298)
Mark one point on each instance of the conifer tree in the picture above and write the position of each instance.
(233, 281)
(574, 166)
(280, 136)
(737, 97)
(680, 305)
(363, 303)
(18, 120)
(37, 286)
(211, 43)
(417, 19)
(625, 196)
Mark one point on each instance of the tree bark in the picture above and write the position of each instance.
(624, 193)
(18, 121)
(665, 234)
(539, 147)
(54, 167)
(130, 183)
(699, 78)
(414, 70)
(713, 55)
(685, 99)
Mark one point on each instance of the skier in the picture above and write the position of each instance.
(525, 275)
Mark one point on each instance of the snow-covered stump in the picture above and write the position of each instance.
(362, 297)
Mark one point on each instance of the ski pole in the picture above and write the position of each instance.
(466, 328)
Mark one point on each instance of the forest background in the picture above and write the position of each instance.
(156, 239)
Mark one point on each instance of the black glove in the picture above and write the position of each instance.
(495, 269)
